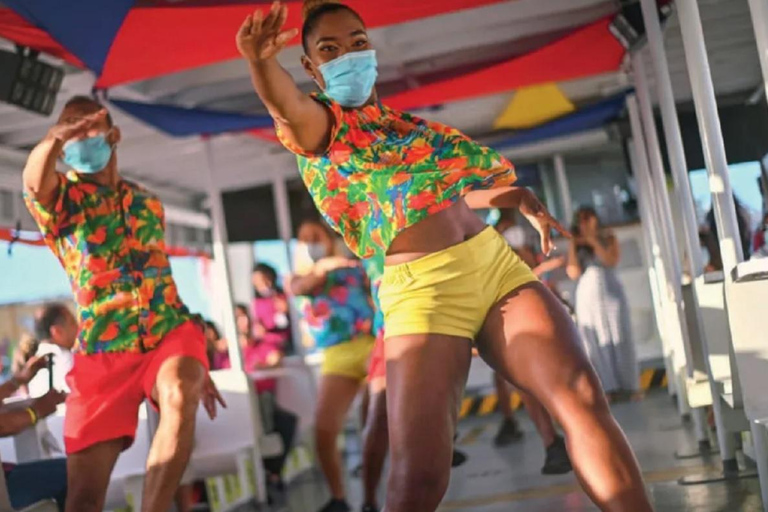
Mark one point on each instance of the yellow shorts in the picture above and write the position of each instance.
(348, 359)
(450, 292)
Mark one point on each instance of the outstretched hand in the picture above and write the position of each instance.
(211, 395)
(542, 220)
(261, 38)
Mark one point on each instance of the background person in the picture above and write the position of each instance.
(334, 300)
(56, 327)
(602, 311)
(41, 480)
(269, 309)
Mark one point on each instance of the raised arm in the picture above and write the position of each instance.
(303, 121)
(40, 180)
(528, 204)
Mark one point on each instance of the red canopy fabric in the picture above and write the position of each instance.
(159, 40)
(588, 51)
(17, 29)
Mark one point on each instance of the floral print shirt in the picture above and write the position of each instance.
(341, 310)
(111, 245)
(374, 267)
(386, 170)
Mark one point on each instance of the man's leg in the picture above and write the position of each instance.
(509, 431)
(177, 392)
(88, 473)
(37, 481)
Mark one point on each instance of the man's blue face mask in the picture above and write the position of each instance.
(88, 156)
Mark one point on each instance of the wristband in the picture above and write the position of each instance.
(32, 415)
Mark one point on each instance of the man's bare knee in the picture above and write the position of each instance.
(179, 392)
(416, 486)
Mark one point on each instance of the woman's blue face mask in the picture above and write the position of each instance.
(88, 156)
(349, 79)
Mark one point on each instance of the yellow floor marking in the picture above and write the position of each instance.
(645, 379)
(466, 405)
(664, 475)
(488, 405)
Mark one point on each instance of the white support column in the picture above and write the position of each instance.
(566, 201)
(658, 178)
(283, 215)
(711, 134)
(652, 251)
(673, 136)
(673, 324)
(759, 9)
(222, 285)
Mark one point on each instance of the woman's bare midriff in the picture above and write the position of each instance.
(437, 232)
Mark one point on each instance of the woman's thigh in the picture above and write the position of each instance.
(531, 340)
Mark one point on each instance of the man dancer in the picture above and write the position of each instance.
(137, 340)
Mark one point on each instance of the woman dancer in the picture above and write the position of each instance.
(392, 183)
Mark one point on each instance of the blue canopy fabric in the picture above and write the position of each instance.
(86, 28)
(587, 118)
(184, 122)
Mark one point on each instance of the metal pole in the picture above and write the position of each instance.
(673, 137)
(561, 177)
(658, 179)
(711, 134)
(650, 241)
(283, 215)
(676, 328)
(223, 286)
(759, 9)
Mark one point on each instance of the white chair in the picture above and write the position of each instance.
(234, 442)
(746, 294)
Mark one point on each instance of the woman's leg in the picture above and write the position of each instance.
(529, 338)
(335, 398)
(509, 430)
(426, 375)
(540, 418)
(375, 444)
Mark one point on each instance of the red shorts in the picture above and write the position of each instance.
(106, 390)
(377, 366)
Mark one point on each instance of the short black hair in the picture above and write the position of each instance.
(52, 314)
(267, 270)
(243, 308)
(87, 101)
(212, 326)
(314, 16)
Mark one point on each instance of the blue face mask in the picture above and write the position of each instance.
(349, 79)
(88, 156)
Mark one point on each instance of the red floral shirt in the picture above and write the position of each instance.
(111, 245)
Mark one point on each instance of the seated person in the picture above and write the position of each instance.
(56, 328)
(263, 354)
(23, 352)
(31, 482)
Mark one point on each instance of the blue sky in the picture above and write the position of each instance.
(32, 273)
(743, 182)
